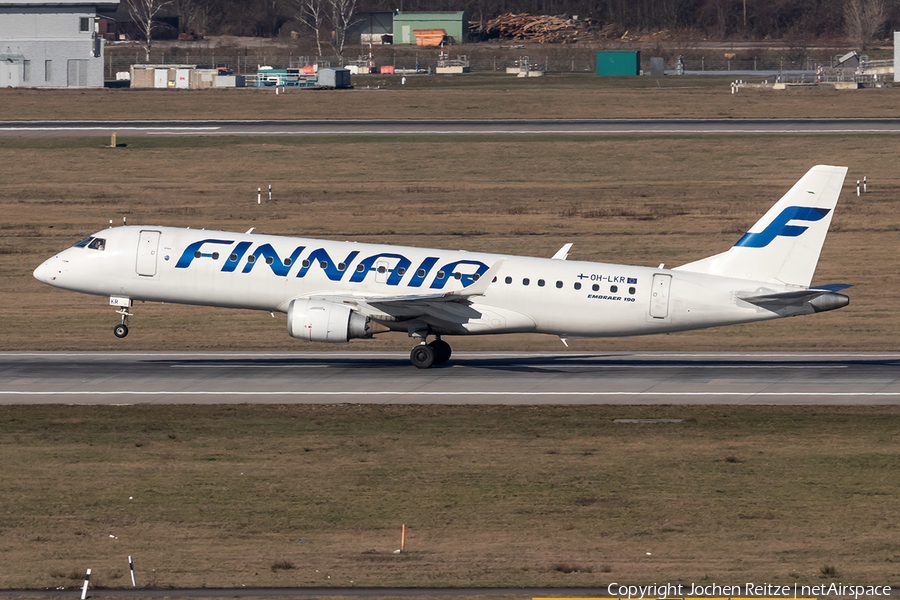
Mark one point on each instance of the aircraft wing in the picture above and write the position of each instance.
(417, 305)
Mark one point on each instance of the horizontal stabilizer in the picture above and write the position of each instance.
(821, 298)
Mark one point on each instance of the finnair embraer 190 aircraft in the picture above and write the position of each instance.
(336, 291)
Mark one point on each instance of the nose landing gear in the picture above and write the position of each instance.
(121, 330)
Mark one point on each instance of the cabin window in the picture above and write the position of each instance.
(401, 271)
(360, 268)
(509, 280)
(476, 277)
(233, 258)
(381, 269)
(457, 275)
(215, 256)
(559, 284)
(540, 283)
(305, 264)
(323, 264)
(269, 260)
(341, 266)
(419, 273)
(287, 262)
(595, 287)
(577, 285)
(631, 290)
(526, 281)
(251, 258)
(440, 275)
(197, 254)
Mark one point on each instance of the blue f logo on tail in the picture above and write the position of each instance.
(779, 226)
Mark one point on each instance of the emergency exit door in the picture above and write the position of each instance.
(659, 296)
(148, 248)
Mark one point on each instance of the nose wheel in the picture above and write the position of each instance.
(425, 356)
(121, 330)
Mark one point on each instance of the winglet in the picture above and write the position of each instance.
(479, 287)
(562, 253)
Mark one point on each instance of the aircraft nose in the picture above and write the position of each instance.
(47, 271)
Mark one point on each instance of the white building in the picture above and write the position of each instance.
(52, 44)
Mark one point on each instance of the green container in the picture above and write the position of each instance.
(619, 63)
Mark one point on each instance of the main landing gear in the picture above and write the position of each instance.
(425, 355)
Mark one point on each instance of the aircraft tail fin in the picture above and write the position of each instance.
(783, 246)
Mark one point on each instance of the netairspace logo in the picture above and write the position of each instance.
(748, 590)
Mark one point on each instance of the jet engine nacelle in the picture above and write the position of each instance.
(323, 321)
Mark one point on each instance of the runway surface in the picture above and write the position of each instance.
(453, 127)
(469, 378)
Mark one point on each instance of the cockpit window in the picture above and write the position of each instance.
(83, 242)
(97, 244)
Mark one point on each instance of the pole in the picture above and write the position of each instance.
(259, 195)
(865, 185)
(857, 187)
(270, 192)
(131, 566)
(87, 577)
(402, 538)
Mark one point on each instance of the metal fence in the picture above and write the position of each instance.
(248, 61)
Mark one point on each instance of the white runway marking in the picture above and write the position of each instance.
(419, 393)
(110, 128)
(431, 132)
(559, 366)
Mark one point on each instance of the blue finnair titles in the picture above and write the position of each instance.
(337, 291)
(465, 271)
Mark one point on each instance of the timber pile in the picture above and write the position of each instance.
(537, 28)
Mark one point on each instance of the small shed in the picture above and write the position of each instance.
(334, 78)
(619, 63)
(454, 23)
(172, 76)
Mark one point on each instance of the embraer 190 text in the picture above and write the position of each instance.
(336, 291)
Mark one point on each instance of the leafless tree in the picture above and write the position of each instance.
(342, 14)
(312, 14)
(864, 20)
(143, 12)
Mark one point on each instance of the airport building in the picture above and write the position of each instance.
(455, 26)
(52, 44)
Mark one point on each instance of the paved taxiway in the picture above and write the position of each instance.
(469, 378)
(497, 127)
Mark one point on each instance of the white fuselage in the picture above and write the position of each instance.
(566, 298)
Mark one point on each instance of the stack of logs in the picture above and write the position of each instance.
(538, 28)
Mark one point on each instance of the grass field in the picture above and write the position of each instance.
(474, 96)
(624, 200)
(565, 496)
(275, 496)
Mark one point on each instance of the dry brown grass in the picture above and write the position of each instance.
(635, 201)
(555, 496)
(478, 96)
